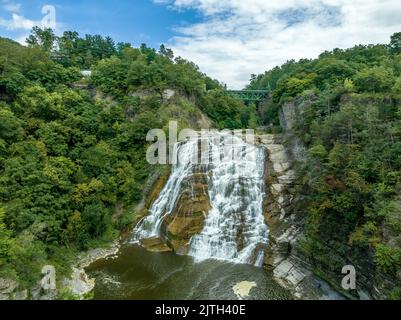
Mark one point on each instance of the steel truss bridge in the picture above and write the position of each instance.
(249, 95)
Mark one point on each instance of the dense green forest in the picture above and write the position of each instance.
(72, 150)
(348, 106)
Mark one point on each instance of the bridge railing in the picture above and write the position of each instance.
(249, 95)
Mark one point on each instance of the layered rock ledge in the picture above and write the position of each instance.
(285, 226)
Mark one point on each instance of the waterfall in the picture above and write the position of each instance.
(235, 226)
(150, 225)
(234, 229)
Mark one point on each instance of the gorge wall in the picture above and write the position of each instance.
(371, 282)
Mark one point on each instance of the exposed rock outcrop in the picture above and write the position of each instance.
(151, 190)
(243, 289)
(371, 282)
(8, 288)
(79, 282)
(285, 226)
(188, 216)
(155, 244)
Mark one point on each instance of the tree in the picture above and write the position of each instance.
(6, 242)
(42, 38)
(397, 86)
(11, 81)
(150, 53)
(68, 47)
(349, 85)
(332, 70)
(166, 52)
(10, 126)
(376, 79)
(76, 231)
(395, 43)
(388, 259)
(319, 152)
(35, 101)
(293, 86)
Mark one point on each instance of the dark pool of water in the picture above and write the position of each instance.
(139, 274)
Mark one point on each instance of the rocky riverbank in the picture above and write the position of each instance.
(79, 283)
(9, 290)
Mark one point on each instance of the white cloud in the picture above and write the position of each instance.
(18, 22)
(10, 6)
(237, 38)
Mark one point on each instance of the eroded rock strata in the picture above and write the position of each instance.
(285, 226)
(190, 211)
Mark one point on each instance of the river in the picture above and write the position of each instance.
(139, 274)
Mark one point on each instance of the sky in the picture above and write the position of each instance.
(228, 39)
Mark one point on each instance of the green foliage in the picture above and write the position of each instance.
(6, 242)
(293, 86)
(376, 79)
(83, 52)
(391, 213)
(143, 68)
(395, 43)
(388, 259)
(42, 38)
(20, 67)
(72, 162)
(397, 86)
(332, 70)
(67, 294)
(318, 152)
(224, 109)
(349, 120)
(349, 85)
(10, 126)
(395, 294)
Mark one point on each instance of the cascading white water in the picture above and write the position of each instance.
(234, 229)
(150, 225)
(235, 226)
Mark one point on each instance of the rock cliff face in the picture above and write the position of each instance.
(152, 190)
(285, 226)
(187, 217)
(371, 284)
(289, 113)
(9, 290)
